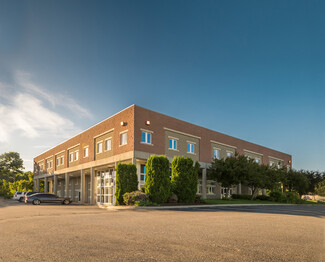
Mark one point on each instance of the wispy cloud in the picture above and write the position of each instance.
(23, 79)
(24, 111)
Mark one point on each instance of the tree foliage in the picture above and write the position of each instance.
(10, 166)
(126, 181)
(320, 188)
(297, 181)
(184, 179)
(157, 184)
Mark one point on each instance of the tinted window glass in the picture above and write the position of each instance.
(19, 192)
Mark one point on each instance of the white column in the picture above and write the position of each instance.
(82, 186)
(46, 185)
(264, 192)
(66, 185)
(55, 184)
(92, 186)
(204, 183)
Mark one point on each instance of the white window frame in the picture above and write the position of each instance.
(62, 160)
(147, 133)
(86, 151)
(229, 152)
(99, 147)
(214, 153)
(210, 190)
(76, 155)
(58, 159)
(174, 143)
(192, 148)
(71, 157)
(110, 144)
(123, 138)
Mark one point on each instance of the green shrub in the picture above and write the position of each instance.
(241, 196)
(126, 181)
(293, 198)
(277, 196)
(157, 184)
(263, 198)
(136, 198)
(184, 179)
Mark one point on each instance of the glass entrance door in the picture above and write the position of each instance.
(105, 187)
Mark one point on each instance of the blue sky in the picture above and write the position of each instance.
(251, 69)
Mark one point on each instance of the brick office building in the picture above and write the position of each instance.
(83, 167)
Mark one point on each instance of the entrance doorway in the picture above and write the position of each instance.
(105, 187)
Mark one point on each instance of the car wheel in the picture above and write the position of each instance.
(36, 202)
(21, 199)
(66, 202)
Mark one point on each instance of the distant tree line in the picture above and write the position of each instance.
(231, 171)
(12, 178)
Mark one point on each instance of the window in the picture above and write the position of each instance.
(257, 160)
(210, 190)
(146, 137)
(229, 154)
(58, 161)
(50, 164)
(62, 160)
(123, 139)
(216, 153)
(143, 173)
(77, 155)
(86, 151)
(108, 144)
(279, 164)
(172, 144)
(190, 148)
(71, 157)
(99, 147)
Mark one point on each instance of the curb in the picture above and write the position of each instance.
(187, 206)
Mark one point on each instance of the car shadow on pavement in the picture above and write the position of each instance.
(296, 210)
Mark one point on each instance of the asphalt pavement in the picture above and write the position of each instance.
(88, 233)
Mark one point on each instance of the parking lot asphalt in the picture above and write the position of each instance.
(296, 210)
(88, 233)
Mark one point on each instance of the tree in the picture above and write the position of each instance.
(230, 171)
(320, 188)
(297, 181)
(185, 178)
(11, 164)
(255, 177)
(157, 184)
(314, 178)
(126, 181)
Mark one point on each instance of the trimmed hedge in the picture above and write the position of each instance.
(126, 181)
(184, 179)
(157, 184)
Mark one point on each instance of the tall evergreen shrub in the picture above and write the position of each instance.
(126, 181)
(185, 178)
(157, 184)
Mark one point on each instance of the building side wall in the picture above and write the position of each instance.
(88, 138)
(159, 121)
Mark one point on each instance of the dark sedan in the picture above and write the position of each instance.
(39, 198)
